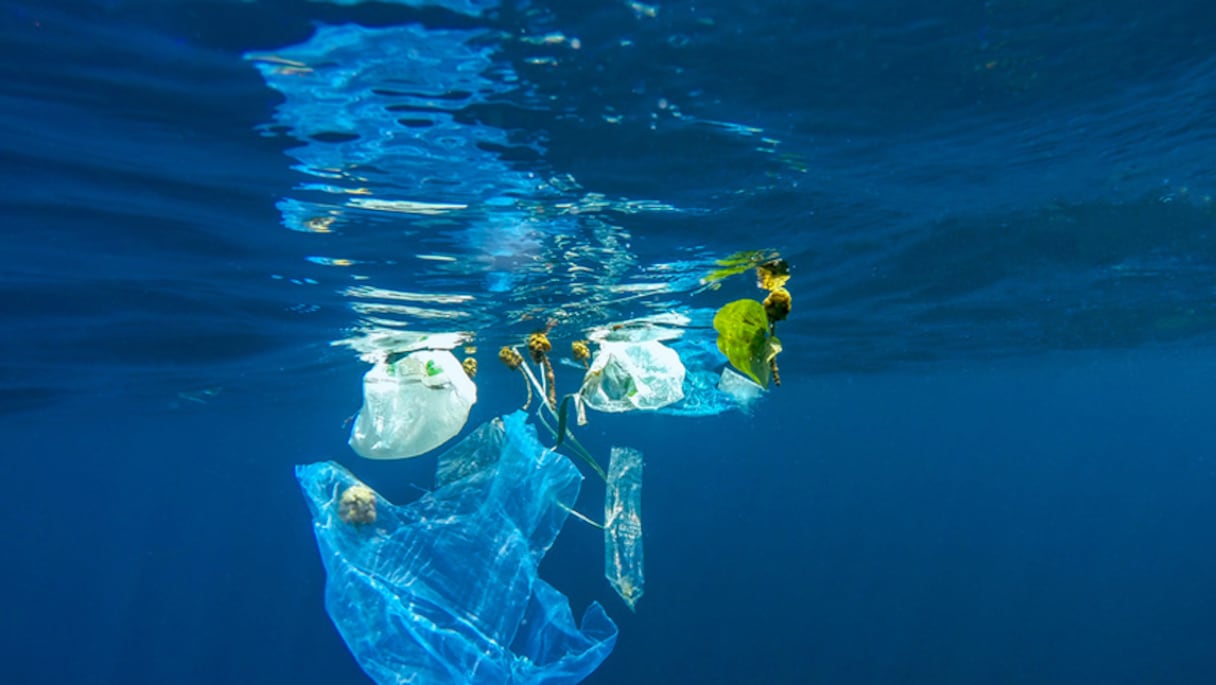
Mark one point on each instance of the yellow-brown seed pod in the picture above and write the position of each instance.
(539, 346)
(470, 367)
(777, 305)
(357, 505)
(511, 358)
(581, 351)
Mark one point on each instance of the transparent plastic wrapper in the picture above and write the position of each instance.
(445, 590)
(741, 388)
(627, 376)
(623, 561)
(412, 405)
(703, 394)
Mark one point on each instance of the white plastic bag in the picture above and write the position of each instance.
(625, 376)
(412, 406)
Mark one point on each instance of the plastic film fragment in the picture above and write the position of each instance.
(623, 525)
(445, 590)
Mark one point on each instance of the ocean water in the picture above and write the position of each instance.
(991, 458)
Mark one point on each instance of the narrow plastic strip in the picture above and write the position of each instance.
(623, 560)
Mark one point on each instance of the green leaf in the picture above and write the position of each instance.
(743, 337)
(562, 414)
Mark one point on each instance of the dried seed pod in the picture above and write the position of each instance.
(357, 506)
(581, 351)
(511, 358)
(539, 346)
(777, 305)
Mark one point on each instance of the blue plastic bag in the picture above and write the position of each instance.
(445, 589)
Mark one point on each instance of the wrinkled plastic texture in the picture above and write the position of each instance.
(704, 393)
(412, 406)
(627, 376)
(623, 561)
(445, 590)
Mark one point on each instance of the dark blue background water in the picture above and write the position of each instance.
(991, 459)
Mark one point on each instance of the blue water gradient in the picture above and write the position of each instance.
(990, 456)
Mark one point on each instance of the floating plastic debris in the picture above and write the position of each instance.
(445, 591)
(623, 525)
(412, 405)
(627, 376)
(741, 388)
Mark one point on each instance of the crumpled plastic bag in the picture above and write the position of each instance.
(627, 376)
(412, 405)
(445, 590)
(704, 392)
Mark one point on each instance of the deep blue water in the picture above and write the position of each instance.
(991, 456)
